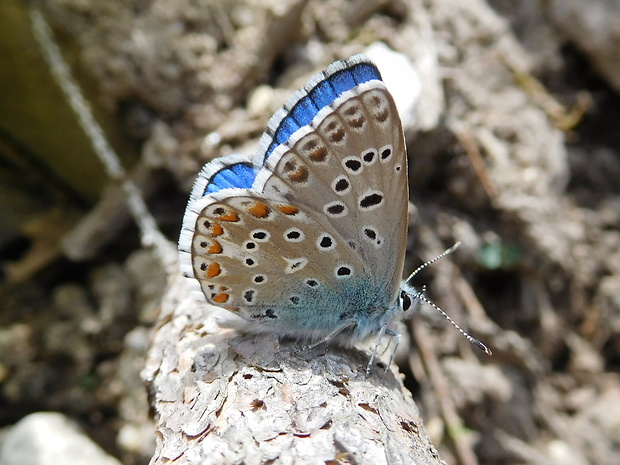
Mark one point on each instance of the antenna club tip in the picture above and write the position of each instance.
(481, 346)
(456, 245)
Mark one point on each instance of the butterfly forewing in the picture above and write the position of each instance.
(350, 165)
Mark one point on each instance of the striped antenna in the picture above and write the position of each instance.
(420, 295)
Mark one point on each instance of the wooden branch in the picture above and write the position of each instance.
(224, 397)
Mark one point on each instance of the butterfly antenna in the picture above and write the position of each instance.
(473, 340)
(420, 295)
(430, 262)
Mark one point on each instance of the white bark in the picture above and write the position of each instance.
(220, 396)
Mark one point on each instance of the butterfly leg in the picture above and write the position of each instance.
(330, 336)
(397, 338)
(382, 332)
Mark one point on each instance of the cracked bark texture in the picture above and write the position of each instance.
(224, 397)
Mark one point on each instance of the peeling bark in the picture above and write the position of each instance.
(220, 396)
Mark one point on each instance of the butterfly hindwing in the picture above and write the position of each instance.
(268, 260)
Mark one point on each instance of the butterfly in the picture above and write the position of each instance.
(307, 238)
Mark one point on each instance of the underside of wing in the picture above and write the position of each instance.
(350, 165)
(267, 259)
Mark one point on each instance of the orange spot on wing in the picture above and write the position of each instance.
(229, 216)
(215, 248)
(259, 210)
(217, 230)
(213, 270)
(221, 298)
(301, 175)
(318, 155)
(288, 209)
(295, 171)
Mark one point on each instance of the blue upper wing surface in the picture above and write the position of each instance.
(239, 175)
(319, 93)
(239, 171)
(231, 171)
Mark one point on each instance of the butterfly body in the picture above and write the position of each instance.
(307, 238)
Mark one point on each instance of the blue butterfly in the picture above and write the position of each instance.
(307, 238)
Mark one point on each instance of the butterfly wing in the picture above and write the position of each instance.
(349, 163)
(318, 240)
(270, 261)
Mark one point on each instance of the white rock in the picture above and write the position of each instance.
(49, 438)
(400, 77)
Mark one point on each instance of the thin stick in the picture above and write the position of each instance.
(150, 234)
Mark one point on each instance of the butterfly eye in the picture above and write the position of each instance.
(405, 301)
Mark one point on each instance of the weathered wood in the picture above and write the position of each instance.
(220, 396)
